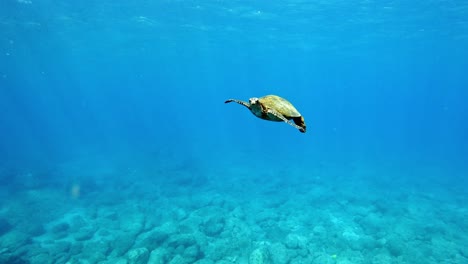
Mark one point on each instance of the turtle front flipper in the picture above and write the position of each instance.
(280, 116)
(239, 102)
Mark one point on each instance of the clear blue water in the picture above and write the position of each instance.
(115, 109)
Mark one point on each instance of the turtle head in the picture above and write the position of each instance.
(253, 100)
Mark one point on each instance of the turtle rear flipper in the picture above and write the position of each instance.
(300, 122)
(239, 102)
(280, 116)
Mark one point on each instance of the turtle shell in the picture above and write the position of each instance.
(280, 105)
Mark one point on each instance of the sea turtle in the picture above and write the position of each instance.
(274, 108)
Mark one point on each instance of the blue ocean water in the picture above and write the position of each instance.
(116, 145)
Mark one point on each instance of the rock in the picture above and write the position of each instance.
(443, 249)
(84, 234)
(302, 260)
(381, 259)
(138, 256)
(61, 258)
(133, 224)
(303, 252)
(179, 250)
(96, 249)
(5, 226)
(93, 259)
(178, 259)
(39, 259)
(59, 248)
(192, 253)
(120, 261)
(34, 229)
(464, 252)
(223, 261)
(184, 240)
(279, 254)
(104, 233)
(213, 226)
(350, 236)
(344, 261)
(7, 258)
(294, 241)
(14, 239)
(122, 243)
(112, 261)
(395, 246)
(319, 231)
(76, 223)
(60, 230)
(203, 261)
(169, 228)
(60, 227)
(178, 214)
(76, 248)
(23, 250)
(152, 239)
(32, 250)
(372, 223)
(88, 259)
(157, 256)
(258, 256)
(216, 251)
(368, 243)
(326, 259)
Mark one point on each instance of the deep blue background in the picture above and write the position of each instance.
(375, 80)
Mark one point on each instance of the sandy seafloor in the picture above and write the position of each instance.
(98, 211)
